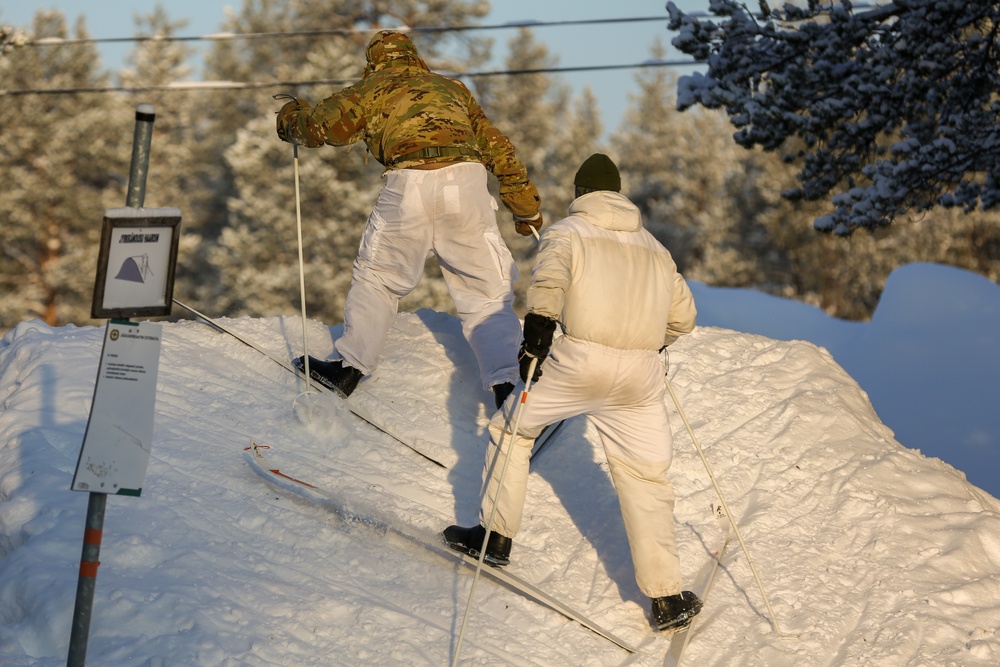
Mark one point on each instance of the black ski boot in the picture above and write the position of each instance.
(674, 612)
(470, 540)
(501, 392)
(333, 374)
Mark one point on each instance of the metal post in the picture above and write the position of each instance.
(87, 582)
(144, 117)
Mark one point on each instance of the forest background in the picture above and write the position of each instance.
(64, 159)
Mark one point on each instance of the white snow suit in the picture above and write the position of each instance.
(618, 295)
(447, 211)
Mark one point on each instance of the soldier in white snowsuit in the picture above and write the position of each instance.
(616, 292)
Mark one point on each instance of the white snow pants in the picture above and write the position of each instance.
(448, 212)
(622, 392)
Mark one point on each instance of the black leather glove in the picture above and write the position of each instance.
(538, 333)
(524, 360)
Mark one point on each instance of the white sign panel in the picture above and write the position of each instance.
(135, 270)
(119, 437)
(139, 259)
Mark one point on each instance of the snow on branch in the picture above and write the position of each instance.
(888, 109)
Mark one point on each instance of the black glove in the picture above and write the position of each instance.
(538, 333)
(524, 359)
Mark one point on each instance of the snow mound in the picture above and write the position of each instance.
(870, 553)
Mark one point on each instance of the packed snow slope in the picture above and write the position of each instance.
(870, 553)
(928, 359)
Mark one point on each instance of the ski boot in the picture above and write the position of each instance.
(332, 374)
(470, 541)
(674, 612)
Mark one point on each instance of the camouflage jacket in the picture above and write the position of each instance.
(400, 107)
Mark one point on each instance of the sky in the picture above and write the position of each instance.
(575, 46)
(868, 551)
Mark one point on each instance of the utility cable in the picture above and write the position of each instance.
(228, 36)
(255, 85)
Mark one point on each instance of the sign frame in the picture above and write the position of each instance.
(136, 289)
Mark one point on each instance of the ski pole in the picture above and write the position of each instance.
(486, 489)
(302, 271)
(725, 506)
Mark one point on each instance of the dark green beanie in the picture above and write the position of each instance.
(598, 172)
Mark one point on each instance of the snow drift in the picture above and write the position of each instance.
(870, 552)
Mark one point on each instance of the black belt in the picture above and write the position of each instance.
(435, 151)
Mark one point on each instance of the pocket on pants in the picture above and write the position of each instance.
(505, 264)
(371, 239)
(452, 196)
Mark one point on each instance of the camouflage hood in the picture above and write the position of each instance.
(391, 48)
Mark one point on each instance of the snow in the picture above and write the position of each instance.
(927, 360)
(870, 552)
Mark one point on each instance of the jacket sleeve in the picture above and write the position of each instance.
(338, 120)
(517, 192)
(683, 312)
(552, 275)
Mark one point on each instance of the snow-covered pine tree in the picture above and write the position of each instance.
(63, 161)
(577, 138)
(257, 252)
(526, 107)
(182, 172)
(679, 168)
(893, 106)
(551, 135)
(719, 210)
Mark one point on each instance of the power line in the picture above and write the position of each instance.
(239, 85)
(227, 36)
(236, 85)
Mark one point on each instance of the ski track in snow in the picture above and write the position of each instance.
(870, 552)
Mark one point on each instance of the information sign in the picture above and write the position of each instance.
(119, 436)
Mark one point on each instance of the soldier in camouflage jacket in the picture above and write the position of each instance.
(437, 145)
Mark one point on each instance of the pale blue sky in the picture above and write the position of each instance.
(575, 46)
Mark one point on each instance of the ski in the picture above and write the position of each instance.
(356, 409)
(432, 543)
(703, 586)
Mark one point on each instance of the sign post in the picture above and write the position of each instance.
(135, 277)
